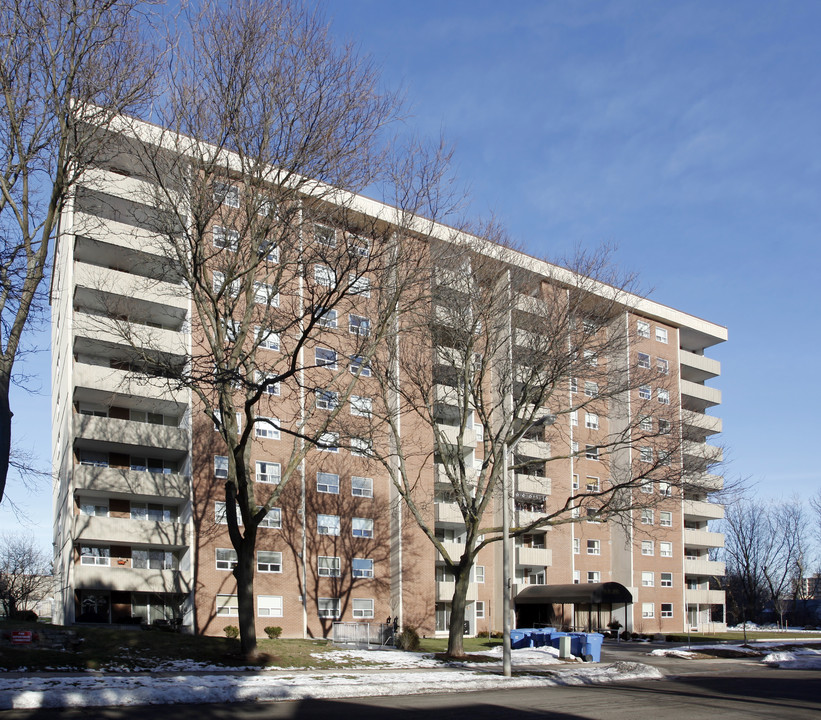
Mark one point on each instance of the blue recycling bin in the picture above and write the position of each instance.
(592, 646)
(576, 642)
(554, 638)
(537, 638)
(519, 640)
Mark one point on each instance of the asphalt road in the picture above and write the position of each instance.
(714, 689)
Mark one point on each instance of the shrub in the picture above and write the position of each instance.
(408, 639)
(627, 635)
(483, 634)
(231, 631)
(497, 634)
(273, 631)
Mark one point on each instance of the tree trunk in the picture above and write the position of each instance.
(5, 432)
(456, 630)
(244, 573)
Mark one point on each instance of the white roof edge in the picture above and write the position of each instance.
(712, 332)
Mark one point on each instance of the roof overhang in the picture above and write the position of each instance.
(592, 593)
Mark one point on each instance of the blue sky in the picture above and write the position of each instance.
(686, 133)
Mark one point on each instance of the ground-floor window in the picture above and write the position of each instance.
(442, 617)
(480, 610)
(363, 608)
(269, 605)
(227, 606)
(667, 610)
(328, 607)
(153, 607)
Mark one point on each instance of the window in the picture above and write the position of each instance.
(644, 360)
(593, 547)
(226, 239)
(667, 610)
(574, 385)
(359, 246)
(591, 421)
(647, 547)
(358, 325)
(270, 387)
(646, 454)
(153, 512)
(327, 399)
(663, 396)
(226, 194)
(269, 561)
(325, 235)
(218, 423)
(577, 577)
(592, 484)
(645, 393)
(593, 576)
(90, 508)
(220, 517)
(227, 606)
(327, 524)
(329, 566)
(591, 389)
(661, 335)
(574, 418)
(362, 527)
(361, 406)
(665, 458)
(577, 546)
(219, 281)
(643, 328)
(480, 610)
(591, 358)
(359, 286)
(575, 481)
(153, 559)
(646, 424)
(666, 549)
(269, 251)
(360, 447)
(266, 427)
(662, 366)
(265, 294)
(664, 427)
(328, 442)
(574, 447)
(666, 518)
(226, 559)
(95, 555)
(360, 365)
(647, 516)
(362, 567)
(327, 318)
(328, 607)
(267, 339)
(592, 515)
(648, 610)
(665, 489)
(591, 452)
(325, 358)
(269, 605)
(362, 608)
(666, 579)
(479, 573)
(272, 519)
(647, 579)
(361, 486)
(323, 275)
(268, 472)
(327, 483)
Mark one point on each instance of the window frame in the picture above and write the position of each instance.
(228, 564)
(271, 607)
(265, 566)
(324, 484)
(364, 531)
(326, 529)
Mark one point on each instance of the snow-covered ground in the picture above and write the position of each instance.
(803, 659)
(265, 686)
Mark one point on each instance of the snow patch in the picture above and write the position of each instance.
(803, 659)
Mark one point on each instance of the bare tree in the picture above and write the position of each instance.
(502, 356)
(295, 280)
(66, 69)
(25, 573)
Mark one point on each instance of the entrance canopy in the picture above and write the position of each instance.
(590, 593)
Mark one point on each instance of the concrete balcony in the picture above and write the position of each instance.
(704, 597)
(703, 539)
(450, 434)
(96, 279)
(533, 448)
(698, 368)
(449, 513)
(538, 557)
(531, 305)
(118, 185)
(128, 432)
(123, 382)
(447, 395)
(526, 517)
(445, 590)
(113, 482)
(700, 510)
(110, 331)
(702, 452)
(533, 484)
(699, 395)
(124, 531)
(118, 233)
(440, 475)
(704, 567)
(705, 482)
(129, 579)
(706, 424)
(454, 549)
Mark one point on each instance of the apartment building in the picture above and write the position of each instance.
(139, 508)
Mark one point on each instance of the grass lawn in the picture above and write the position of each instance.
(439, 645)
(739, 636)
(96, 647)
